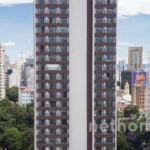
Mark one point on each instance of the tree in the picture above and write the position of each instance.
(12, 94)
(16, 126)
(28, 138)
(13, 139)
(30, 115)
(5, 103)
(122, 143)
(131, 110)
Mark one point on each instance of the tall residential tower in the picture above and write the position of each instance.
(75, 51)
(2, 71)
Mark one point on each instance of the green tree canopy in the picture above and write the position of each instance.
(13, 138)
(122, 143)
(131, 110)
(16, 122)
(12, 94)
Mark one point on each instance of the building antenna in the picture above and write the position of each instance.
(21, 54)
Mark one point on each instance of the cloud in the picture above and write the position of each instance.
(9, 44)
(12, 2)
(124, 43)
(129, 8)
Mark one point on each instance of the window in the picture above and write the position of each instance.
(111, 20)
(99, 11)
(63, 29)
(98, 30)
(52, 48)
(52, 29)
(111, 39)
(63, 11)
(98, 20)
(40, 19)
(40, 29)
(40, 39)
(52, 39)
(64, 20)
(42, 48)
(63, 39)
(64, 1)
(53, 2)
(111, 30)
(52, 20)
(41, 10)
(40, 2)
(52, 10)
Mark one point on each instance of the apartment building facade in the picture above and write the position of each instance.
(75, 49)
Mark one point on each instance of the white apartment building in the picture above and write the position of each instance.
(14, 78)
(2, 71)
(26, 96)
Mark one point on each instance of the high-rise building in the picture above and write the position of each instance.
(7, 62)
(14, 78)
(75, 42)
(2, 71)
(28, 73)
(7, 71)
(135, 58)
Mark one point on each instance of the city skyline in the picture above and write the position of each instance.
(132, 22)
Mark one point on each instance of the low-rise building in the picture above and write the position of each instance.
(26, 96)
(121, 106)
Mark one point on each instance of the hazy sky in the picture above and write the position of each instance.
(16, 26)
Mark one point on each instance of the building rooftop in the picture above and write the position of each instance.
(26, 90)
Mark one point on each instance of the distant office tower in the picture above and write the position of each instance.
(2, 71)
(121, 67)
(135, 58)
(75, 42)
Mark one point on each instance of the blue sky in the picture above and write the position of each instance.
(133, 27)
(133, 31)
(16, 26)
(16, 29)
